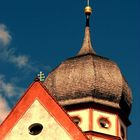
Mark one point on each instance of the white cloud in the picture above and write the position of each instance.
(9, 54)
(5, 36)
(20, 61)
(9, 89)
(4, 109)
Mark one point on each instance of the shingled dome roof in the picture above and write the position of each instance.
(88, 77)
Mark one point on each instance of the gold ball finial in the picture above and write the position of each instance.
(88, 10)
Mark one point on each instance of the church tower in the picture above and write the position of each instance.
(85, 98)
(93, 91)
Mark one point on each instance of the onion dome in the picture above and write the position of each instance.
(88, 78)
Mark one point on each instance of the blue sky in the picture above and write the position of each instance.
(38, 35)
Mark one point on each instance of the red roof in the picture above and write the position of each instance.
(38, 91)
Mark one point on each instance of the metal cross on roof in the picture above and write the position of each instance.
(41, 76)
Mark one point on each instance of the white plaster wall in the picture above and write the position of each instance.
(52, 130)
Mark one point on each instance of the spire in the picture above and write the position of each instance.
(87, 47)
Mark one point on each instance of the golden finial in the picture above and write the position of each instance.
(88, 9)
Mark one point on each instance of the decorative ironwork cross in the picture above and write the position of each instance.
(41, 76)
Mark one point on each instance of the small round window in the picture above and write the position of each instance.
(104, 123)
(35, 129)
(76, 119)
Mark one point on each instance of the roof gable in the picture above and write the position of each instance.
(37, 92)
